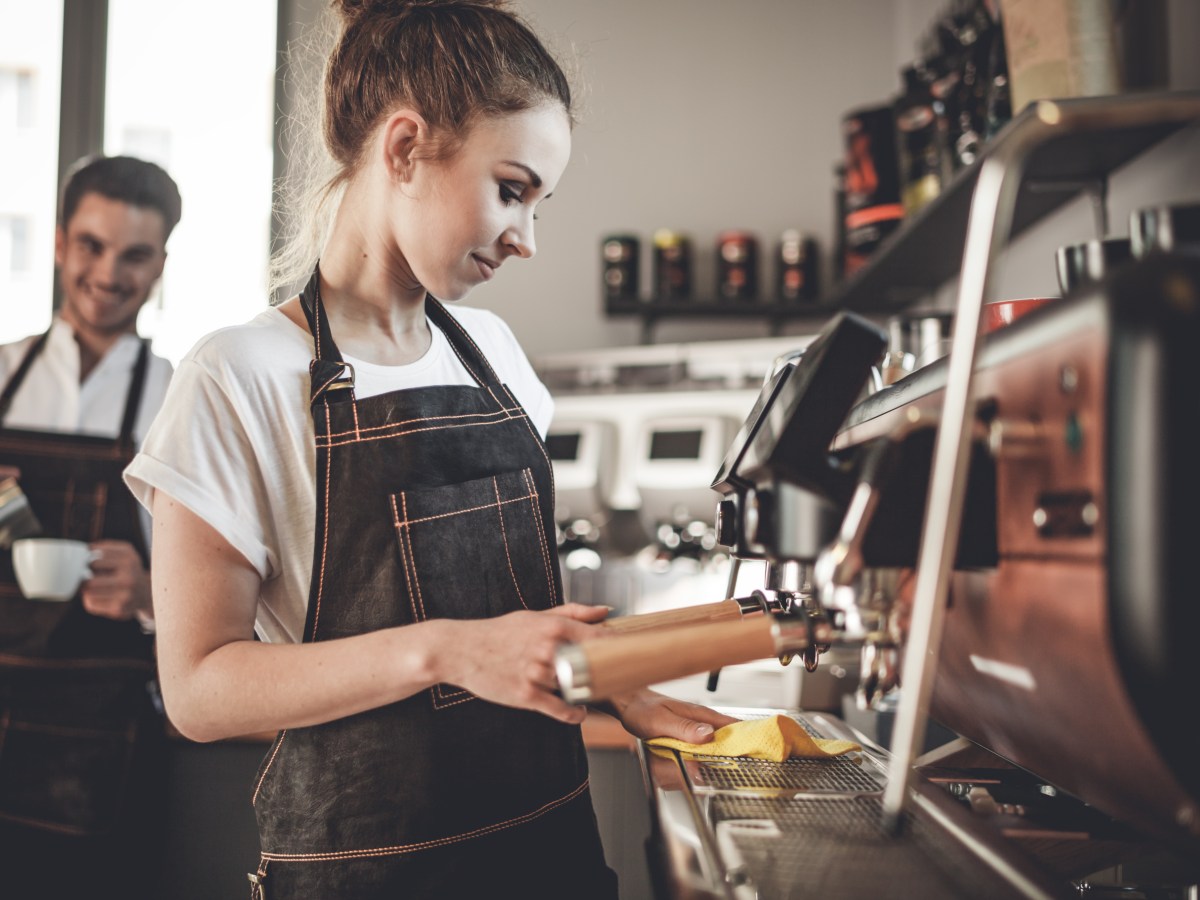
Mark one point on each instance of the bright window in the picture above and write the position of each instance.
(192, 88)
(30, 66)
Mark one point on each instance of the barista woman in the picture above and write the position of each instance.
(358, 474)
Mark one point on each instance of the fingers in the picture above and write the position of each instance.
(581, 612)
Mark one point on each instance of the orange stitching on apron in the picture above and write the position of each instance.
(100, 501)
(478, 380)
(441, 698)
(408, 558)
(549, 467)
(536, 512)
(324, 534)
(371, 433)
(317, 393)
(412, 595)
(426, 845)
(267, 767)
(458, 512)
(405, 422)
(458, 326)
(504, 537)
(412, 557)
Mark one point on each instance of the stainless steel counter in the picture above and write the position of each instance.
(738, 828)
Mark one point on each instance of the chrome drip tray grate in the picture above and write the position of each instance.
(836, 847)
(841, 775)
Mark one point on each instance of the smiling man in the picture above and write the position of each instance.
(75, 403)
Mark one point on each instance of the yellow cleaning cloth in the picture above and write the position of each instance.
(775, 738)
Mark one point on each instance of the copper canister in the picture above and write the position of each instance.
(872, 183)
(619, 254)
(737, 265)
(672, 265)
(796, 268)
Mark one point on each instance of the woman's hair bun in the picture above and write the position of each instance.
(351, 11)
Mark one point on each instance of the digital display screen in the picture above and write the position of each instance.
(563, 446)
(675, 444)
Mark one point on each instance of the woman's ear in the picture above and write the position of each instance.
(403, 131)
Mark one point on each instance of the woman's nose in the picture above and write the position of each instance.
(519, 239)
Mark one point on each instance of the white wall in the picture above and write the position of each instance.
(697, 115)
(702, 115)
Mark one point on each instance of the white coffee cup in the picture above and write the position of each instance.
(51, 568)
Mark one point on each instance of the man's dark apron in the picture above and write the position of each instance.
(433, 502)
(78, 728)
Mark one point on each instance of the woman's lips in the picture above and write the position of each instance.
(486, 268)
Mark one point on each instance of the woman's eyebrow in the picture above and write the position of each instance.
(534, 178)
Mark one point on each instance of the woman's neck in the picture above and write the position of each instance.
(376, 310)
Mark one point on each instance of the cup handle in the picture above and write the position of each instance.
(92, 556)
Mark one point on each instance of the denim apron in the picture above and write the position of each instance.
(433, 502)
(82, 752)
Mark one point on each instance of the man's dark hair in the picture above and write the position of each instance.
(123, 178)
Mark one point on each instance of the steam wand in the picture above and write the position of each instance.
(735, 564)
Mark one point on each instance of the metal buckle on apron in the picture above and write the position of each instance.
(258, 882)
(330, 375)
(345, 380)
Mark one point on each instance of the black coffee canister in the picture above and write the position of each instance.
(619, 258)
(796, 268)
(672, 265)
(1088, 262)
(872, 183)
(737, 266)
(1164, 229)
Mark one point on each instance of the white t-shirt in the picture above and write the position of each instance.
(51, 398)
(235, 443)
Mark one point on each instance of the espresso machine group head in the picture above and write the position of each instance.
(783, 493)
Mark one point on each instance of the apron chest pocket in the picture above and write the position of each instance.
(473, 550)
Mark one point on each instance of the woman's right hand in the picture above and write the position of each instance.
(510, 659)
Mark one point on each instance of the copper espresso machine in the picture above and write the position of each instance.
(1006, 533)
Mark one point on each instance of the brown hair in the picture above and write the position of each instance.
(124, 178)
(453, 61)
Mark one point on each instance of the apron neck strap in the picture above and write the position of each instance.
(329, 372)
(133, 399)
(318, 322)
(331, 379)
(467, 350)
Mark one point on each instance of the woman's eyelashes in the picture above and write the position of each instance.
(511, 193)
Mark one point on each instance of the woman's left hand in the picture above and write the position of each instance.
(646, 714)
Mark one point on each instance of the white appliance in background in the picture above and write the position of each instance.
(676, 458)
(638, 435)
(656, 412)
(583, 454)
(652, 454)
